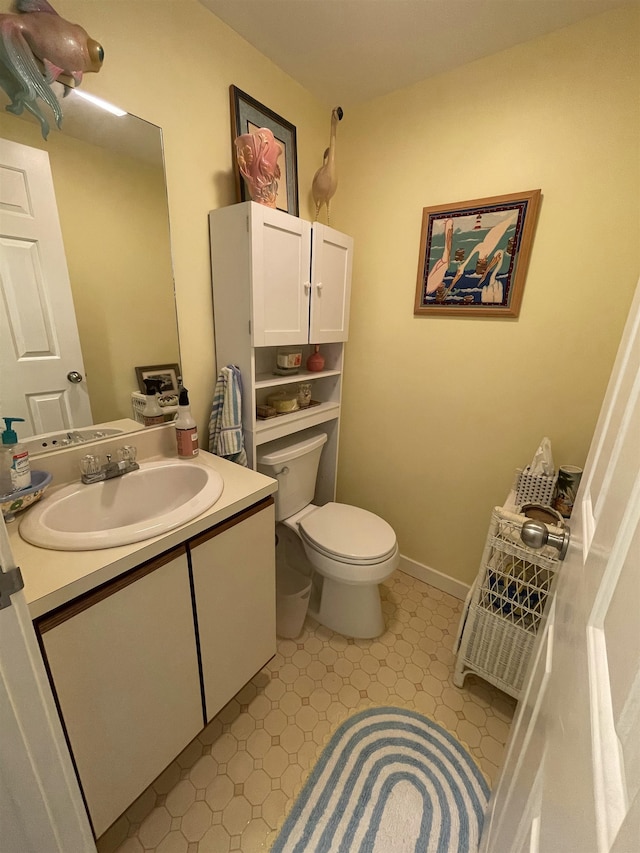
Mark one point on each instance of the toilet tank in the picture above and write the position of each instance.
(294, 464)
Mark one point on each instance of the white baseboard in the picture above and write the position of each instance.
(434, 578)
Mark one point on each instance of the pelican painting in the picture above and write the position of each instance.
(474, 256)
(439, 269)
(484, 249)
(493, 292)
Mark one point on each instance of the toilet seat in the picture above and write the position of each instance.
(348, 534)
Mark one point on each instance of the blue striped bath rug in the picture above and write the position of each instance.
(389, 781)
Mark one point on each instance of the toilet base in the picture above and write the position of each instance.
(350, 610)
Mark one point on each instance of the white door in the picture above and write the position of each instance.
(41, 808)
(571, 778)
(39, 343)
(332, 255)
(280, 261)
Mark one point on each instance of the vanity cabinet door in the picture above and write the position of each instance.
(124, 668)
(332, 254)
(234, 580)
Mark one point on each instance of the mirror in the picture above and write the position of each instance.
(109, 182)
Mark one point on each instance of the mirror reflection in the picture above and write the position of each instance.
(110, 194)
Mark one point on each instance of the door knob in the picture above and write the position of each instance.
(74, 376)
(536, 534)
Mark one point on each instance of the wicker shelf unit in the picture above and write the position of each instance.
(506, 606)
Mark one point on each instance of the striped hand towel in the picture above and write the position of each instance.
(225, 424)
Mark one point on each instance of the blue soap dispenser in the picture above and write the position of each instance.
(15, 456)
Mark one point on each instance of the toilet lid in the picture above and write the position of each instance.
(349, 533)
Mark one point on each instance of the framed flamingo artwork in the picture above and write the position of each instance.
(249, 116)
(474, 256)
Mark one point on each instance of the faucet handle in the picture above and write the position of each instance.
(90, 464)
(127, 453)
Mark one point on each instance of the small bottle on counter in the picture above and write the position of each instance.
(186, 429)
(6, 459)
(15, 457)
(152, 413)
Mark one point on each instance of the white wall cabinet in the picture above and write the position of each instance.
(277, 281)
(125, 672)
(286, 280)
(129, 671)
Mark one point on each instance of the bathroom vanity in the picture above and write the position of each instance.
(145, 643)
(279, 280)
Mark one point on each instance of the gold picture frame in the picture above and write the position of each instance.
(474, 256)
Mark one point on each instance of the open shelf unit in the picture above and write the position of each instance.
(280, 281)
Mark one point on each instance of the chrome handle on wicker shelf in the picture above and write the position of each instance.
(536, 534)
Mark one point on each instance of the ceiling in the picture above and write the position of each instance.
(348, 51)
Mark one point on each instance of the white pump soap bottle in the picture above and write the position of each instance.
(15, 458)
(186, 428)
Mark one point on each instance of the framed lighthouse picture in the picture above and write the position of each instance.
(474, 256)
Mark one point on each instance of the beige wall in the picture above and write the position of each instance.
(438, 412)
(172, 63)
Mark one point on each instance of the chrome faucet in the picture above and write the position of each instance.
(92, 471)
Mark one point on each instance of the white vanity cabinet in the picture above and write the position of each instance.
(139, 665)
(278, 281)
(124, 667)
(233, 577)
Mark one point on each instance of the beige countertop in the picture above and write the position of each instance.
(53, 578)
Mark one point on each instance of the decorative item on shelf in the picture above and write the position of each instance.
(541, 512)
(249, 115)
(304, 395)
(315, 361)
(167, 375)
(325, 180)
(283, 401)
(569, 477)
(288, 361)
(257, 155)
(38, 48)
(264, 412)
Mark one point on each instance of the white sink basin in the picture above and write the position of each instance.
(137, 506)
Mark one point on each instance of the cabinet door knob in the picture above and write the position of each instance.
(307, 286)
(319, 286)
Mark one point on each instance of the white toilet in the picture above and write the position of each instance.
(350, 550)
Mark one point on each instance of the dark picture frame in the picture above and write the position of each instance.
(247, 115)
(167, 373)
(474, 256)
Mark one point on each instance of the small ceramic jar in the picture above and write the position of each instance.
(304, 394)
(316, 360)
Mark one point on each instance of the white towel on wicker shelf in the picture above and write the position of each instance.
(225, 424)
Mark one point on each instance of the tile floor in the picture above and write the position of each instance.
(233, 785)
